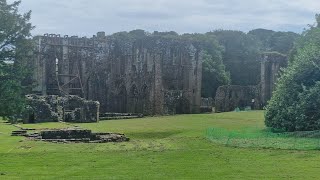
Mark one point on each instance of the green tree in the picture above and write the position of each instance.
(15, 48)
(214, 73)
(264, 36)
(318, 20)
(283, 42)
(270, 40)
(309, 36)
(295, 102)
(241, 56)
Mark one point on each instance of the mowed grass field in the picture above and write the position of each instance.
(168, 147)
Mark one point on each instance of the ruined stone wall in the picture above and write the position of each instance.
(206, 105)
(54, 108)
(270, 67)
(230, 97)
(124, 75)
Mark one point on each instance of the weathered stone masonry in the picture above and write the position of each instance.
(231, 96)
(54, 108)
(152, 75)
(270, 67)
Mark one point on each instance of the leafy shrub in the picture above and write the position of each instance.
(296, 101)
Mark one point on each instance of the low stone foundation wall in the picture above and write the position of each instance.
(66, 134)
(230, 97)
(116, 116)
(77, 136)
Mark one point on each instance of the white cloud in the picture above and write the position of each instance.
(85, 17)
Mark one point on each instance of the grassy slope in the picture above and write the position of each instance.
(171, 147)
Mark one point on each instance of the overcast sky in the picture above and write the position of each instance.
(86, 17)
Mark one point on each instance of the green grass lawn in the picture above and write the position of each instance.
(169, 147)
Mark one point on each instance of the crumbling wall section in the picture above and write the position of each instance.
(54, 108)
(230, 97)
(206, 105)
(176, 102)
(41, 109)
(80, 110)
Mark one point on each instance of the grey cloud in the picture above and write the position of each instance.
(146, 15)
(84, 17)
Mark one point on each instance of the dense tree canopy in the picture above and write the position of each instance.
(14, 27)
(213, 69)
(295, 103)
(281, 42)
(15, 48)
(241, 56)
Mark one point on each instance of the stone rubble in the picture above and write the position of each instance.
(69, 108)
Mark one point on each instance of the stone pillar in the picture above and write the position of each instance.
(64, 66)
(39, 73)
(197, 83)
(158, 87)
(263, 82)
(271, 64)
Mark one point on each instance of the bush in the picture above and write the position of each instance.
(296, 101)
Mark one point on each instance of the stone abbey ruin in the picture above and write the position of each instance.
(149, 76)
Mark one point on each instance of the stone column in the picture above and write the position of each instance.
(64, 66)
(197, 83)
(39, 73)
(271, 64)
(158, 87)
